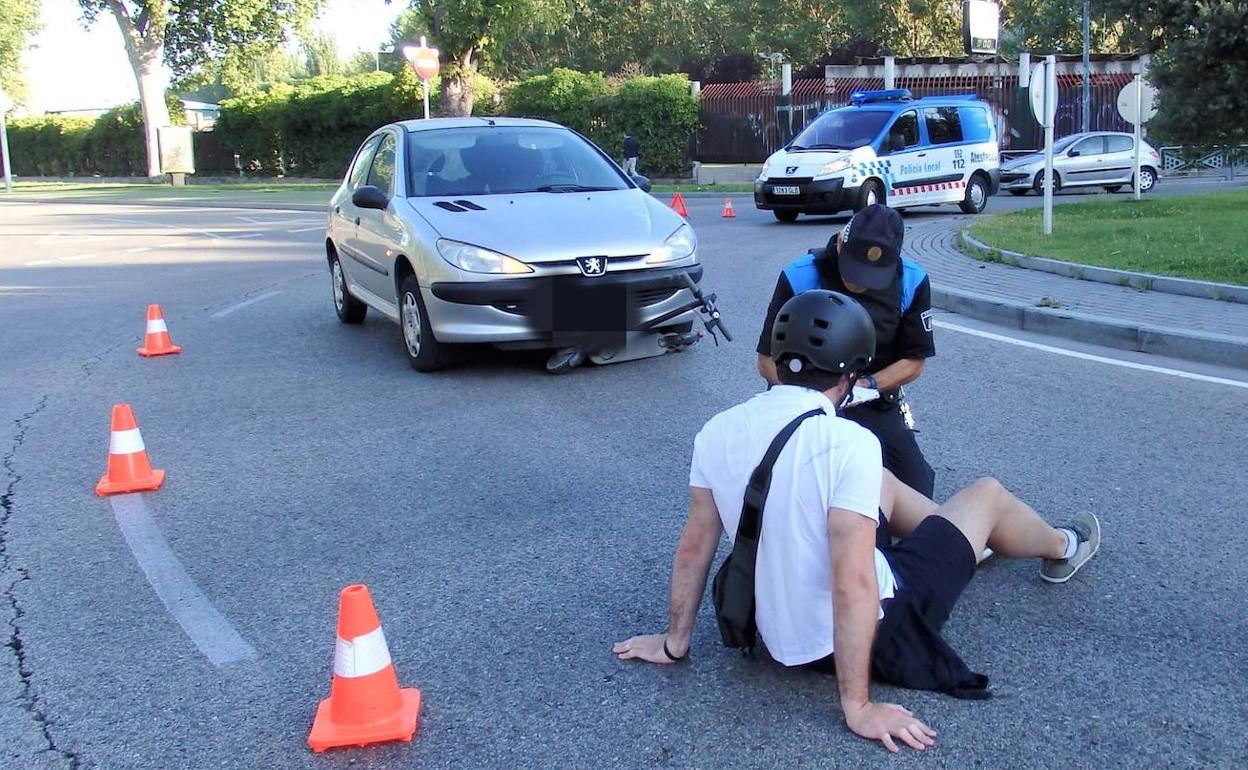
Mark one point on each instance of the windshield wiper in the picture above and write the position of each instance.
(822, 147)
(573, 188)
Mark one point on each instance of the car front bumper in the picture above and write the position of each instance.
(816, 196)
(1017, 179)
(549, 310)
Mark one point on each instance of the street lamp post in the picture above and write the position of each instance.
(378, 52)
(5, 106)
(1087, 65)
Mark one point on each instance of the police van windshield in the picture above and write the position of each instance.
(841, 130)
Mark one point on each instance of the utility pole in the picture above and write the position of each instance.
(1087, 65)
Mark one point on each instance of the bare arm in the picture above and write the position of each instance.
(855, 607)
(767, 368)
(691, 565)
(898, 373)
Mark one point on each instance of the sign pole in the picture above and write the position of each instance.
(4, 153)
(424, 84)
(1050, 98)
(1139, 118)
(425, 61)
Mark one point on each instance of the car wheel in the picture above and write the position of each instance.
(1020, 193)
(1113, 188)
(424, 352)
(1038, 185)
(350, 310)
(869, 194)
(976, 197)
(1148, 178)
(785, 216)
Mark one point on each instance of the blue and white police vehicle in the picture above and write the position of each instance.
(886, 147)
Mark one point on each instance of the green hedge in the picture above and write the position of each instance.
(110, 145)
(660, 111)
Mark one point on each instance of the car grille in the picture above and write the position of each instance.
(647, 297)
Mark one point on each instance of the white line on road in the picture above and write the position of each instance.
(78, 257)
(138, 249)
(1090, 356)
(38, 262)
(306, 229)
(211, 631)
(244, 303)
(246, 235)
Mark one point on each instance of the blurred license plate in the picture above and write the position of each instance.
(786, 190)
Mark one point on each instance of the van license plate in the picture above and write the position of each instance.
(786, 190)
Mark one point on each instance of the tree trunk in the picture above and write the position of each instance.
(457, 88)
(145, 43)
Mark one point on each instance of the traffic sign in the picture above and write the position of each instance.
(1144, 109)
(423, 59)
(1040, 87)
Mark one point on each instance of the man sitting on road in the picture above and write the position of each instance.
(831, 590)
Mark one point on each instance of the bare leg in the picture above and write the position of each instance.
(903, 506)
(988, 514)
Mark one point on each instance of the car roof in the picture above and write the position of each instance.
(434, 124)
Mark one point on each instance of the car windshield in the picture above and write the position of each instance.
(1066, 141)
(841, 130)
(491, 160)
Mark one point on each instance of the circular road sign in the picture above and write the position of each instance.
(1127, 105)
(1037, 89)
(424, 61)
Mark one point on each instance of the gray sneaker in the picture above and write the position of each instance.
(1089, 531)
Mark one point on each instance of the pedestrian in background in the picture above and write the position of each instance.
(632, 151)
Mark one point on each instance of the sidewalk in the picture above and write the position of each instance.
(1116, 316)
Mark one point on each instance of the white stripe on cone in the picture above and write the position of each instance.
(361, 656)
(156, 325)
(125, 442)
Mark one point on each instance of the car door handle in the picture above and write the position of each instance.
(921, 155)
(337, 209)
(357, 221)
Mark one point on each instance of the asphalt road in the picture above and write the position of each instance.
(511, 525)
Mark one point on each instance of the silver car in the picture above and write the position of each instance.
(1095, 159)
(519, 233)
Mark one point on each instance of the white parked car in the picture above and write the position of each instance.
(1095, 159)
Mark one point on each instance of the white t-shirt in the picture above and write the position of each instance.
(829, 462)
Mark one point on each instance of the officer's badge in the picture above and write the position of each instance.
(874, 253)
(927, 320)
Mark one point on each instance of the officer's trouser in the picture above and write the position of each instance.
(901, 452)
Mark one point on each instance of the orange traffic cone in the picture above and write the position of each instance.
(678, 205)
(128, 467)
(365, 704)
(157, 342)
(728, 212)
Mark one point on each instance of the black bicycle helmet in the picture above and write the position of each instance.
(825, 330)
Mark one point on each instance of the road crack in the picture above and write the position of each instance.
(27, 697)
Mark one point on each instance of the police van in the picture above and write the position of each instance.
(885, 147)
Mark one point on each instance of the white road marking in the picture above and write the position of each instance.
(306, 229)
(211, 631)
(246, 235)
(147, 223)
(78, 257)
(1091, 357)
(244, 303)
(138, 249)
(39, 262)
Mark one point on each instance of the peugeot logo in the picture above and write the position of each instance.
(592, 265)
(790, 170)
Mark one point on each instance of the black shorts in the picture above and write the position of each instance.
(932, 565)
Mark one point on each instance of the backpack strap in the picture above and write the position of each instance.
(802, 273)
(750, 524)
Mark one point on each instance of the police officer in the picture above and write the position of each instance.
(864, 261)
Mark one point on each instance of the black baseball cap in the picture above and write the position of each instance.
(870, 247)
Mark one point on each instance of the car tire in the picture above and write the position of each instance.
(1148, 179)
(1113, 188)
(784, 216)
(976, 198)
(1019, 193)
(350, 310)
(870, 192)
(424, 352)
(1038, 184)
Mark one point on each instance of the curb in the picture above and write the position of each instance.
(1187, 287)
(1097, 330)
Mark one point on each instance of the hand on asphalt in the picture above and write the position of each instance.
(648, 648)
(885, 721)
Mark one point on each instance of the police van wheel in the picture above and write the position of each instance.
(976, 197)
(785, 216)
(870, 193)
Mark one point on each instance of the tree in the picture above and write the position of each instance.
(1199, 66)
(320, 52)
(185, 34)
(19, 20)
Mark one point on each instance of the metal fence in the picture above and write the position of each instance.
(746, 122)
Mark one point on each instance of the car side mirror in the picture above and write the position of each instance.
(369, 197)
(642, 181)
(1073, 154)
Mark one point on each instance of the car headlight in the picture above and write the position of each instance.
(834, 167)
(680, 245)
(475, 259)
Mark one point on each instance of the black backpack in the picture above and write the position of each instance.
(733, 589)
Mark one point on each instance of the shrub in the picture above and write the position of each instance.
(663, 115)
(48, 145)
(578, 100)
